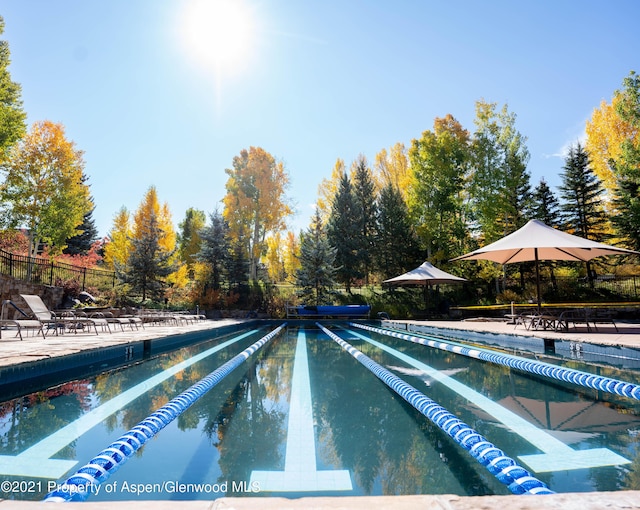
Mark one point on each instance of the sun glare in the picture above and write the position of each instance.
(218, 33)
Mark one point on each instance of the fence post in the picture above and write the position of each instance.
(51, 274)
(84, 277)
(10, 264)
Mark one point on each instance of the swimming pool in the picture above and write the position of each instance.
(301, 417)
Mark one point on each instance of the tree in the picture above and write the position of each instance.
(327, 190)
(83, 242)
(255, 203)
(581, 192)
(396, 246)
(148, 264)
(215, 248)
(316, 276)
(365, 227)
(606, 132)
(44, 189)
(340, 231)
(291, 258)
(118, 247)
(627, 166)
(189, 236)
(545, 206)
(12, 117)
(393, 168)
(439, 163)
(498, 180)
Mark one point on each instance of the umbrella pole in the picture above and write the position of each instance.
(535, 251)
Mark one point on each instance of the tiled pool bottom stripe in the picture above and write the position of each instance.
(79, 486)
(300, 472)
(504, 468)
(596, 382)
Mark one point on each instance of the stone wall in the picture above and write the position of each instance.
(11, 288)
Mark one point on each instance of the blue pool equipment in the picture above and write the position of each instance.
(79, 486)
(597, 382)
(335, 311)
(504, 468)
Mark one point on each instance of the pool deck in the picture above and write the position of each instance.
(13, 351)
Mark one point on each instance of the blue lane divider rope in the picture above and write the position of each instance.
(597, 382)
(80, 485)
(503, 467)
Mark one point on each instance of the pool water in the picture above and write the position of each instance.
(301, 417)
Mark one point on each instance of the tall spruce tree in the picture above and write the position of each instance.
(148, 264)
(396, 244)
(82, 243)
(316, 275)
(545, 206)
(581, 193)
(343, 234)
(365, 200)
(215, 248)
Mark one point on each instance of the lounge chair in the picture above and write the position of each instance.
(70, 320)
(19, 324)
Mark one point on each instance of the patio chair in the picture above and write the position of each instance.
(69, 320)
(19, 324)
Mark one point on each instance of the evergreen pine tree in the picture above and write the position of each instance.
(316, 275)
(82, 243)
(343, 234)
(215, 247)
(581, 191)
(365, 200)
(396, 245)
(545, 206)
(148, 264)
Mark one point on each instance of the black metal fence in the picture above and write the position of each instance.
(46, 272)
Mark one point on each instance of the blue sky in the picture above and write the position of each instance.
(316, 81)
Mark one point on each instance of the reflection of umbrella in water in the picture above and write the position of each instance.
(537, 241)
(425, 275)
(569, 421)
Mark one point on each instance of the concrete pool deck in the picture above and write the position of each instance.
(13, 351)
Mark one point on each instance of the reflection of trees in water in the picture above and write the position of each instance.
(367, 428)
(26, 420)
(248, 427)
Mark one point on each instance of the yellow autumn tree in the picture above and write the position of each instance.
(393, 168)
(291, 256)
(274, 258)
(327, 189)
(150, 206)
(255, 204)
(118, 247)
(606, 132)
(44, 189)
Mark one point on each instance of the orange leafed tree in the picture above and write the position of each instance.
(255, 203)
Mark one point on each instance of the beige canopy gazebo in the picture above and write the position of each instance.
(425, 275)
(537, 241)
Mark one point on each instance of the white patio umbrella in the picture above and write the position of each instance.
(426, 274)
(537, 241)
